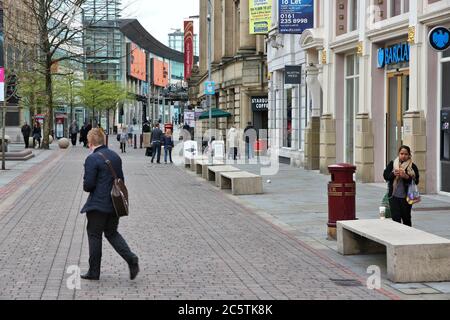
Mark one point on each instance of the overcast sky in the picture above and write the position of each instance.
(160, 16)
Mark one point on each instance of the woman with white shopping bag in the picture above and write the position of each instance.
(402, 176)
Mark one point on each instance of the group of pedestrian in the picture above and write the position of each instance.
(35, 133)
(233, 141)
(158, 140)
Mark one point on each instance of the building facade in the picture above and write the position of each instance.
(239, 66)
(176, 41)
(374, 83)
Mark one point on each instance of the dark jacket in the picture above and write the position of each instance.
(157, 135)
(37, 133)
(250, 134)
(26, 130)
(168, 142)
(98, 180)
(389, 176)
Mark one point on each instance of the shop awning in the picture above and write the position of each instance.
(216, 113)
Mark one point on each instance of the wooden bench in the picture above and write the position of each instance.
(241, 183)
(412, 255)
(19, 156)
(214, 172)
(202, 166)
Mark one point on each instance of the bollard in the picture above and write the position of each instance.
(341, 196)
(135, 142)
(142, 140)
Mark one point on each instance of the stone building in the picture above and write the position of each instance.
(239, 66)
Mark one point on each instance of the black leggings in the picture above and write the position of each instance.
(401, 211)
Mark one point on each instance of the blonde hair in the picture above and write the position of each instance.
(96, 137)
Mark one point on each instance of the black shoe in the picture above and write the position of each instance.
(134, 269)
(87, 276)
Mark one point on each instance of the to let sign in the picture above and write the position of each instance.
(293, 75)
(295, 16)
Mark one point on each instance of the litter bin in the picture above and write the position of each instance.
(6, 143)
(168, 126)
(260, 147)
(341, 196)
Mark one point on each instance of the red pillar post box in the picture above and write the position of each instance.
(341, 196)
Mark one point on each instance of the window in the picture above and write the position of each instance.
(287, 125)
(353, 15)
(351, 101)
(399, 7)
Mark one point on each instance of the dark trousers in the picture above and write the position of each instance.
(156, 151)
(123, 146)
(99, 223)
(74, 139)
(27, 141)
(400, 211)
(234, 153)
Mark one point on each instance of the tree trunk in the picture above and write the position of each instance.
(48, 122)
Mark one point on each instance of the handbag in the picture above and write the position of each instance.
(413, 195)
(119, 192)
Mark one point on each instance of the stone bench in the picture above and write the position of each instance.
(202, 167)
(241, 183)
(214, 172)
(18, 156)
(194, 160)
(412, 255)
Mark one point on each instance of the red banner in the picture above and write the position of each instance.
(188, 48)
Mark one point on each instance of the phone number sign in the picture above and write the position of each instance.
(295, 16)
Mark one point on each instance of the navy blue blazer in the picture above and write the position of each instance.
(98, 180)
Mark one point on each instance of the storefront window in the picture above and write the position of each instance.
(351, 101)
(287, 141)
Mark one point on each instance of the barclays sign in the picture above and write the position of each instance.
(399, 53)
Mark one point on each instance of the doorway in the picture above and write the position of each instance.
(397, 105)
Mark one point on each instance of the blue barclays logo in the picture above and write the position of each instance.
(393, 55)
(439, 38)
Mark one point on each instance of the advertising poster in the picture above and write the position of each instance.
(160, 73)
(260, 16)
(296, 16)
(138, 68)
(188, 48)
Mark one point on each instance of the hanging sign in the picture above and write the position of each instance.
(439, 38)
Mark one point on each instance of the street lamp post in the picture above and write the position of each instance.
(209, 77)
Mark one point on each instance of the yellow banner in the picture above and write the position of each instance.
(260, 16)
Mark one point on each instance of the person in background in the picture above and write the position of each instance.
(233, 142)
(37, 135)
(26, 132)
(250, 139)
(123, 140)
(156, 140)
(168, 145)
(74, 132)
(130, 135)
(400, 174)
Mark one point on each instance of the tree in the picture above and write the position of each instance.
(60, 33)
(31, 91)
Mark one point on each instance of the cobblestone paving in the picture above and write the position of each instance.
(193, 242)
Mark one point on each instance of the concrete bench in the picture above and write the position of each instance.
(19, 156)
(202, 166)
(214, 172)
(187, 162)
(412, 255)
(194, 160)
(241, 183)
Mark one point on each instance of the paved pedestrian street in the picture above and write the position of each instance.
(194, 241)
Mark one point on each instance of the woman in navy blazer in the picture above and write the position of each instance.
(98, 181)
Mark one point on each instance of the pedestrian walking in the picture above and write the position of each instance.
(250, 139)
(123, 140)
(400, 174)
(74, 129)
(101, 216)
(37, 135)
(130, 135)
(83, 135)
(26, 132)
(168, 145)
(233, 142)
(156, 139)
